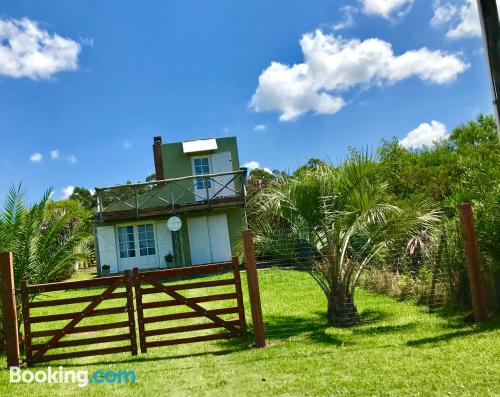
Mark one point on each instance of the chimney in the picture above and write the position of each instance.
(157, 142)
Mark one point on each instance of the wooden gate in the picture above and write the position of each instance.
(148, 283)
(58, 337)
(117, 298)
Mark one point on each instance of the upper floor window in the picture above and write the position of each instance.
(201, 166)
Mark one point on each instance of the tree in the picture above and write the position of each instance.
(258, 180)
(465, 167)
(46, 241)
(85, 198)
(311, 164)
(335, 222)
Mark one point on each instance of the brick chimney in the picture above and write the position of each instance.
(157, 142)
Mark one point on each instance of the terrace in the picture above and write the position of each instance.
(171, 196)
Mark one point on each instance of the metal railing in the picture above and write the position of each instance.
(173, 193)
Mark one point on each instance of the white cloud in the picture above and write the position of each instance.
(259, 127)
(461, 17)
(54, 154)
(333, 65)
(443, 13)
(386, 8)
(347, 20)
(68, 191)
(252, 165)
(26, 50)
(425, 135)
(126, 145)
(36, 157)
(72, 159)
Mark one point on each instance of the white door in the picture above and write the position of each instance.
(209, 239)
(199, 243)
(218, 233)
(221, 162)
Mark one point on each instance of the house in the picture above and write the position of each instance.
(191, 214)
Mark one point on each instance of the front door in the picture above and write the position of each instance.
(209, 239)
(136, 246)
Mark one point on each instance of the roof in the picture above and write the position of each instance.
(199, 145)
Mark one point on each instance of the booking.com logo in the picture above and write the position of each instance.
(81, 377)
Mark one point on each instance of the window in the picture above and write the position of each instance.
(146, 240)
(127, 237)
(126, 241)
(201, 167)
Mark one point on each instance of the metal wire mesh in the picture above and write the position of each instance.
(359, 280)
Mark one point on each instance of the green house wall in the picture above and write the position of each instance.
(177, 164)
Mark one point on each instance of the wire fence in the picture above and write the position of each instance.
(357, 280)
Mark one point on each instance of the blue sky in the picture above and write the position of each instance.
(97, 80)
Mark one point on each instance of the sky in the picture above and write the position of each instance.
(86, 85)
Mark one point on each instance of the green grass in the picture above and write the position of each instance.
(400, 349)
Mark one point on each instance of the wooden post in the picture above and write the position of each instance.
(473, 259)
(140, 312)
(129, 285)
(9, 309)
(239, 297)
(25, 299)
(253, 289)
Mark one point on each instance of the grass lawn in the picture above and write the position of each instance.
(400, 349)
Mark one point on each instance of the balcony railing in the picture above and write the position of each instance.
(167, 196)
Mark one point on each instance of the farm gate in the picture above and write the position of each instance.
(112, 300)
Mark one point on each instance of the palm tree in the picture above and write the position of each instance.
(46, 243)
(336, 222)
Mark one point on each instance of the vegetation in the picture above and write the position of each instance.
(46, 239)
(88, 199)
(398, 350)
(397, 212)
(336, 221)
(465, 167)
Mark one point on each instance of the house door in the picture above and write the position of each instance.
(209, 239)
(136, 246)
(223, 186)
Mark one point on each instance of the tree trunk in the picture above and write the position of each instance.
(341, 310)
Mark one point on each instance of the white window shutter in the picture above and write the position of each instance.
(222, 162)
(106, 241)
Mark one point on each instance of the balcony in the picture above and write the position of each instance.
(170, 196)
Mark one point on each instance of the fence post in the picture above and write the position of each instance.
(129, 285)
(9, 309)
(140, 310)
(473, 260)
(253, 289)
